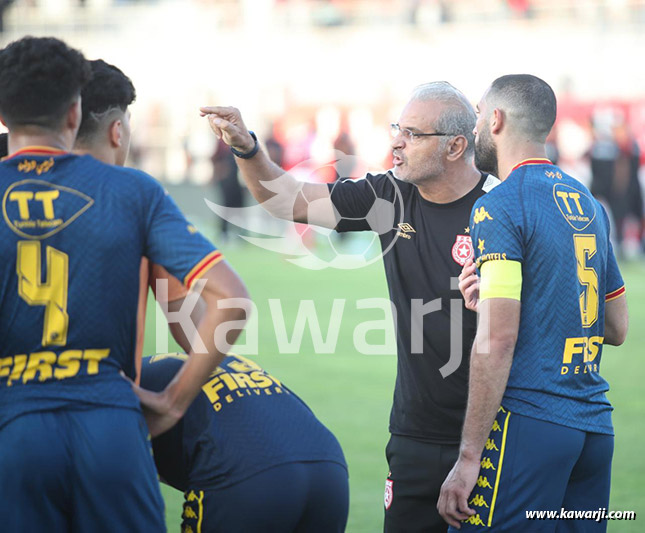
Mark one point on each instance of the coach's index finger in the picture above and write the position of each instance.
(228, 112)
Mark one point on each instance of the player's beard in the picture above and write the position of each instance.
(486, 153)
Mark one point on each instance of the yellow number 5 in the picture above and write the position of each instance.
(52, 294)
(585, 246)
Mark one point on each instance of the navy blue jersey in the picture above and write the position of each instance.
(242, 422)
(550, 223)
(73, 234)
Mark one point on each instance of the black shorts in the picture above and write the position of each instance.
(308, 497)
(417, 471)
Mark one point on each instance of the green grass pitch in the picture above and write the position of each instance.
(351, 393)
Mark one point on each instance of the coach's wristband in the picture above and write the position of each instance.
(250, 154)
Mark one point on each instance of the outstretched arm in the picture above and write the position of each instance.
(282, 195)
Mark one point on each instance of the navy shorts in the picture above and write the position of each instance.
(79, 470)
(306, 497)
(533, 465)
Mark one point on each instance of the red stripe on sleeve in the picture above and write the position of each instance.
(615, 294)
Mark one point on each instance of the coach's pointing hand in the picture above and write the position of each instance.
(227, 124)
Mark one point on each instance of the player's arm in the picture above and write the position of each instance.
(178, 304)
(164, 409)
(490, 365)
(282, 195)
(616, 320)
(196, 314)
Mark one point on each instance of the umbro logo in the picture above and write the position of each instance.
(404, 229)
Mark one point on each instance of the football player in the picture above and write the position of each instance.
(249, 455)
(76, 454)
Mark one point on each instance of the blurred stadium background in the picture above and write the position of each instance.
(314, 75)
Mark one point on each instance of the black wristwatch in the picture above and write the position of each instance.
(250, 154)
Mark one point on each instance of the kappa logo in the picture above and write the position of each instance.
(480, 215)
(462, 249)
(482, 482)
(475, 520)
(487, 464)
(389, 493)
(190, 513)
(479, 501)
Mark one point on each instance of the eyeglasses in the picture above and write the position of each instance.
(413, 136)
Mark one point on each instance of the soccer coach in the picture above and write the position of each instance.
(433, 186)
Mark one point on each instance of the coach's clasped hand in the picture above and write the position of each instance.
(469, 285)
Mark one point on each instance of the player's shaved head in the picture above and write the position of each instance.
(105, 98)
(528, 103)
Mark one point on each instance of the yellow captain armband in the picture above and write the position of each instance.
(500, 279)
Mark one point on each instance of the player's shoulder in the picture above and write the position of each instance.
(130, 183)
(128, 175)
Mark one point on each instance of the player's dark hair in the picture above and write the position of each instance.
(4, 145)
(109, 89)
(530, 102)
(39, 79)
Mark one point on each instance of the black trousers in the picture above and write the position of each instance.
(417, 471)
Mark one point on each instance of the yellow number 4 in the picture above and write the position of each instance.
(52, 294)
(585, 247)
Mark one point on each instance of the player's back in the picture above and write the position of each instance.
(550, 223)
(73, 235)
(243, 422)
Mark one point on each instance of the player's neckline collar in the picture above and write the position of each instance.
(535, 161)
(36, 150)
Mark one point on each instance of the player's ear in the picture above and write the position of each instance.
(74, 115)
(456, 148)
(115, 133)
(497, 120)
